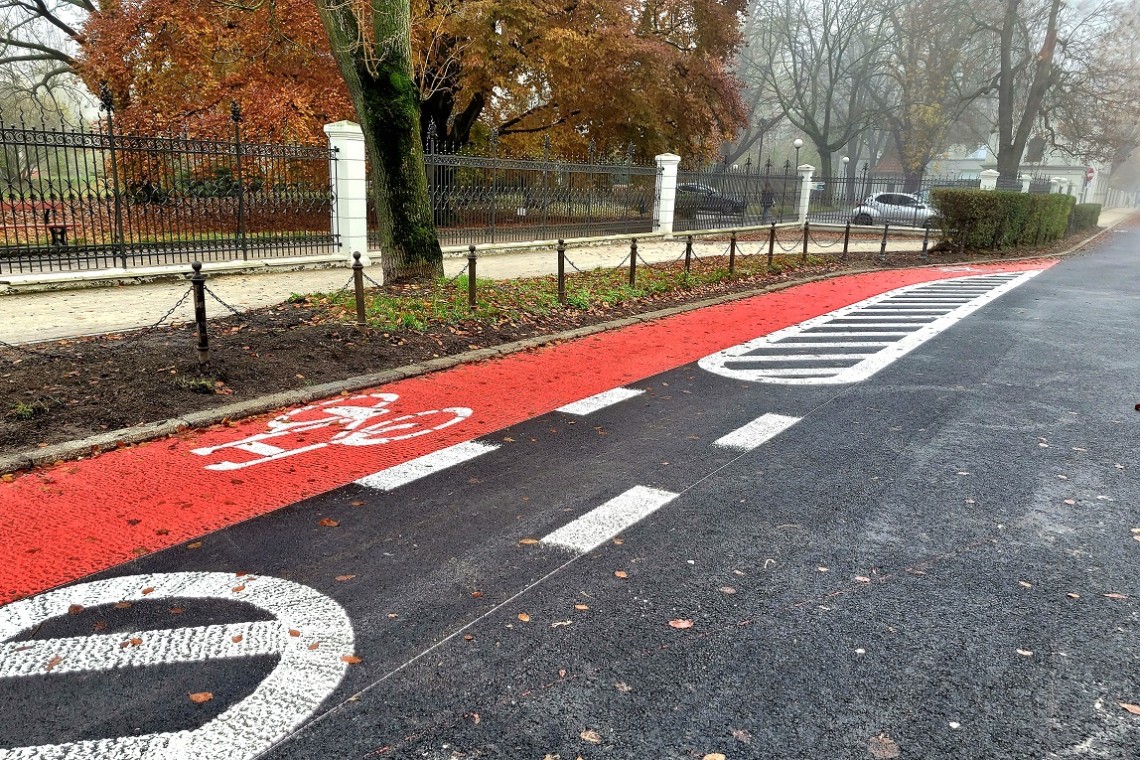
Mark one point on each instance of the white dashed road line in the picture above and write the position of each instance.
(428, 464)
(757, 432)
(600, 401)
(603, 523)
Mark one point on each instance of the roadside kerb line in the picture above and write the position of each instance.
(594, 528)
(428, 464)
(598, 401)
(756, 432)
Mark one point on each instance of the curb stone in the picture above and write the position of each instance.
(113, 439)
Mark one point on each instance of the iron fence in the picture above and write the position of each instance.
(484, 197)
(720, 196)
(91, 198)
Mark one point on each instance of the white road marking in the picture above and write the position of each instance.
(428, 464)
(761, 429)
(300, 682)
(801, 357)
(603, 523)
(925, 321)
(600, 401)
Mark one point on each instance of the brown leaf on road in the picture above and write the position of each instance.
(194, 545)
(476, 594)
(1073, 596)
(1025, 652)
(468, 637)
(680, 623)
(524, 617)
(357, 503)
(1134, 709)
(148, 590)
(882, 747)
(53, 663)
(237, 639)
(314, 646)
(294, 632)
(581, 607)
(122, 605)
(1114, 596)
(714, 756)
(343, 578)
(621, 574)
(593, 737)
(75, 609)
(238, 589)
(727, 590)
(351, 659)
(529, 542)
(201, 697)
(328, 522)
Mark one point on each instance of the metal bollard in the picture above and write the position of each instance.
(732, 252)
(804, 255)
(562, 271)
(688, 253)
(633, 263)
(358, 287)
(471, 277)
(925, 241)
(846, 239)
(198, 284)
(771, 243)
(883, 245)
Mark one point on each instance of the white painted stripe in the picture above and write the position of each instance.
(900, 318)
(760, 430)
(594, 528)
(846, 322)
(799, 357)
(156, 647)
(600, 401)
(829, 344)
(428, 464)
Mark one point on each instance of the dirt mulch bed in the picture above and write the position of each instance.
(65, 390)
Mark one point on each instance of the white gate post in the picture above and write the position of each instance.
(1055, 185)
(989, 179)
(806, 171)
(350, 201)
(666, 200)
(1025, 182)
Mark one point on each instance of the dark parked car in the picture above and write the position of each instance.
(701, 199)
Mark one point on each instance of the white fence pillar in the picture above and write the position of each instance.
(806, 172)
(350, 204)
(1025, 183)
(989, 179)
(1055, 185)
(666, 200)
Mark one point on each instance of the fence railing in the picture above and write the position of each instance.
(718, 196)
(91, 198)
(480, 198)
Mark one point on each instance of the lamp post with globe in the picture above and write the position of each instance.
(797, 144)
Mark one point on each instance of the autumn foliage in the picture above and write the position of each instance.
(655, 75)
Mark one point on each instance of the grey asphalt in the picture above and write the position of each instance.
(919, 565)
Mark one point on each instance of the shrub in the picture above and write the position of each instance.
(1085, 216)
(996, 219)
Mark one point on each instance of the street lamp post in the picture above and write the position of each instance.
(797, 144)
(846, 177)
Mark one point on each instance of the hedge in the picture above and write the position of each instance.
(1085, 216)
(997, 219)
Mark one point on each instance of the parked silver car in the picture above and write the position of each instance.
(895, 208)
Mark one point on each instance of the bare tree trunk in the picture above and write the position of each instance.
(387, 102)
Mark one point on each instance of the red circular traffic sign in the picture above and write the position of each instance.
(1089, 174)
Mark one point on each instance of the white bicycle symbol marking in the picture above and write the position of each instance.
(345, 419)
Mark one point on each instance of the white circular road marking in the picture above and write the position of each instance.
(296, 687)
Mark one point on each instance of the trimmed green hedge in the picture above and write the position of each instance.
(1085, 216)
(996, 219)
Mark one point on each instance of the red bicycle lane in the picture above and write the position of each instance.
(77, 518)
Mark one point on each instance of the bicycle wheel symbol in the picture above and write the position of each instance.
(340, 421)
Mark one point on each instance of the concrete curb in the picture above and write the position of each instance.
(114, 439)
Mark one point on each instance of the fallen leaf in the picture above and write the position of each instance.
(195, 545)
(237, 639)
(1136, 538)
(1073, 596)
(621, 574)
(122, 605)
(524, 617)
(862, 579)
(351, 659)
(328, 522)
(822, 569)
(529, 542)
(1024, 584)
(727, 590)
(135, 642)
(294, 632)
(201, 697)
(714, 756)
(314, 646)
(882, 747)
(468, 637)
(559, 623)
(100, 625)
(476, 718)
(681, 623)
(593, 737)
(177, 610)
(357, 503)
(623, 687)
(476, 594)
(619, 541)
(1025, 652)
(53, 663)
(1134, 709)
(1114, 596)
(345, 577)
(75, 609)
(581, 607)
(148, 590)
(238, 589)
(1070, 502)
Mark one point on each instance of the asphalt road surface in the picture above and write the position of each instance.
(935, 558)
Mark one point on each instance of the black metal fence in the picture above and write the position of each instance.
(481, 198)
(719, 196)
(91, 198)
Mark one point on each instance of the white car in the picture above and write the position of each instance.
(894, 208)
